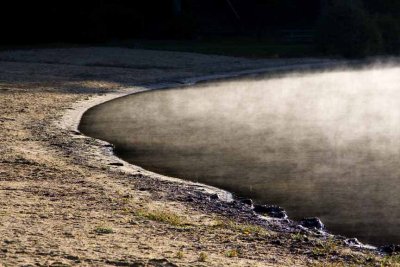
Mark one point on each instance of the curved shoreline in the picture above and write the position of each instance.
(71, 119)
(66, 199)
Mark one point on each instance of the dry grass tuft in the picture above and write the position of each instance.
(233, 253)
(324, 248)
(180, 255)
(203, 257)
(163, 216)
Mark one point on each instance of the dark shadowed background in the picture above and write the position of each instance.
(267, 27)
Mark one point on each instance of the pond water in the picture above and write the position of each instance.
(322, 144)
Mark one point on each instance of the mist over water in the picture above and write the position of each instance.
(323, 144)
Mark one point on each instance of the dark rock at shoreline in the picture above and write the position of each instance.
(312, 223)
(76, 133)
(352, 242)
(214, 197)
(271, 211)
(390, 249)
(109, 145)
(247, 201)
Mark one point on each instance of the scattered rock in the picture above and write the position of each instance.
(189, 199)
(312, 223)
(161, 263)
(76, 133)
(353, 242)
(59, 264)
(109, 145)
(247, 201)
(71, 257)
(277, 242)
(125, 263)
(214, 197)
(116, 164)
(132, 222)
(271, 211)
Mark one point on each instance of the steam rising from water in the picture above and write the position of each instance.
(323, 144)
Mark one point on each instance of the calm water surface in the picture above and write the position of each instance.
(325, 145)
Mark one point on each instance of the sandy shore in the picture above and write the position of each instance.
(66, 200)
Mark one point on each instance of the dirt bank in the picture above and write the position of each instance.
(64, 199)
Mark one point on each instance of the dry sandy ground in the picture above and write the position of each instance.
(62, 204)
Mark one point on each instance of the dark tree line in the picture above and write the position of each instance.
(63, 20)
(359, 28)
(345, 27)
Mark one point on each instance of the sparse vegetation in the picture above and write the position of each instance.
(249, 229)
(324, 248)
(232, 253)
(203, 257)
(243, 228)
(103, 230)
(393, 260)
(180, 254)
(163, 216)
(333, 264)
(298, 237)
(372, 261)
